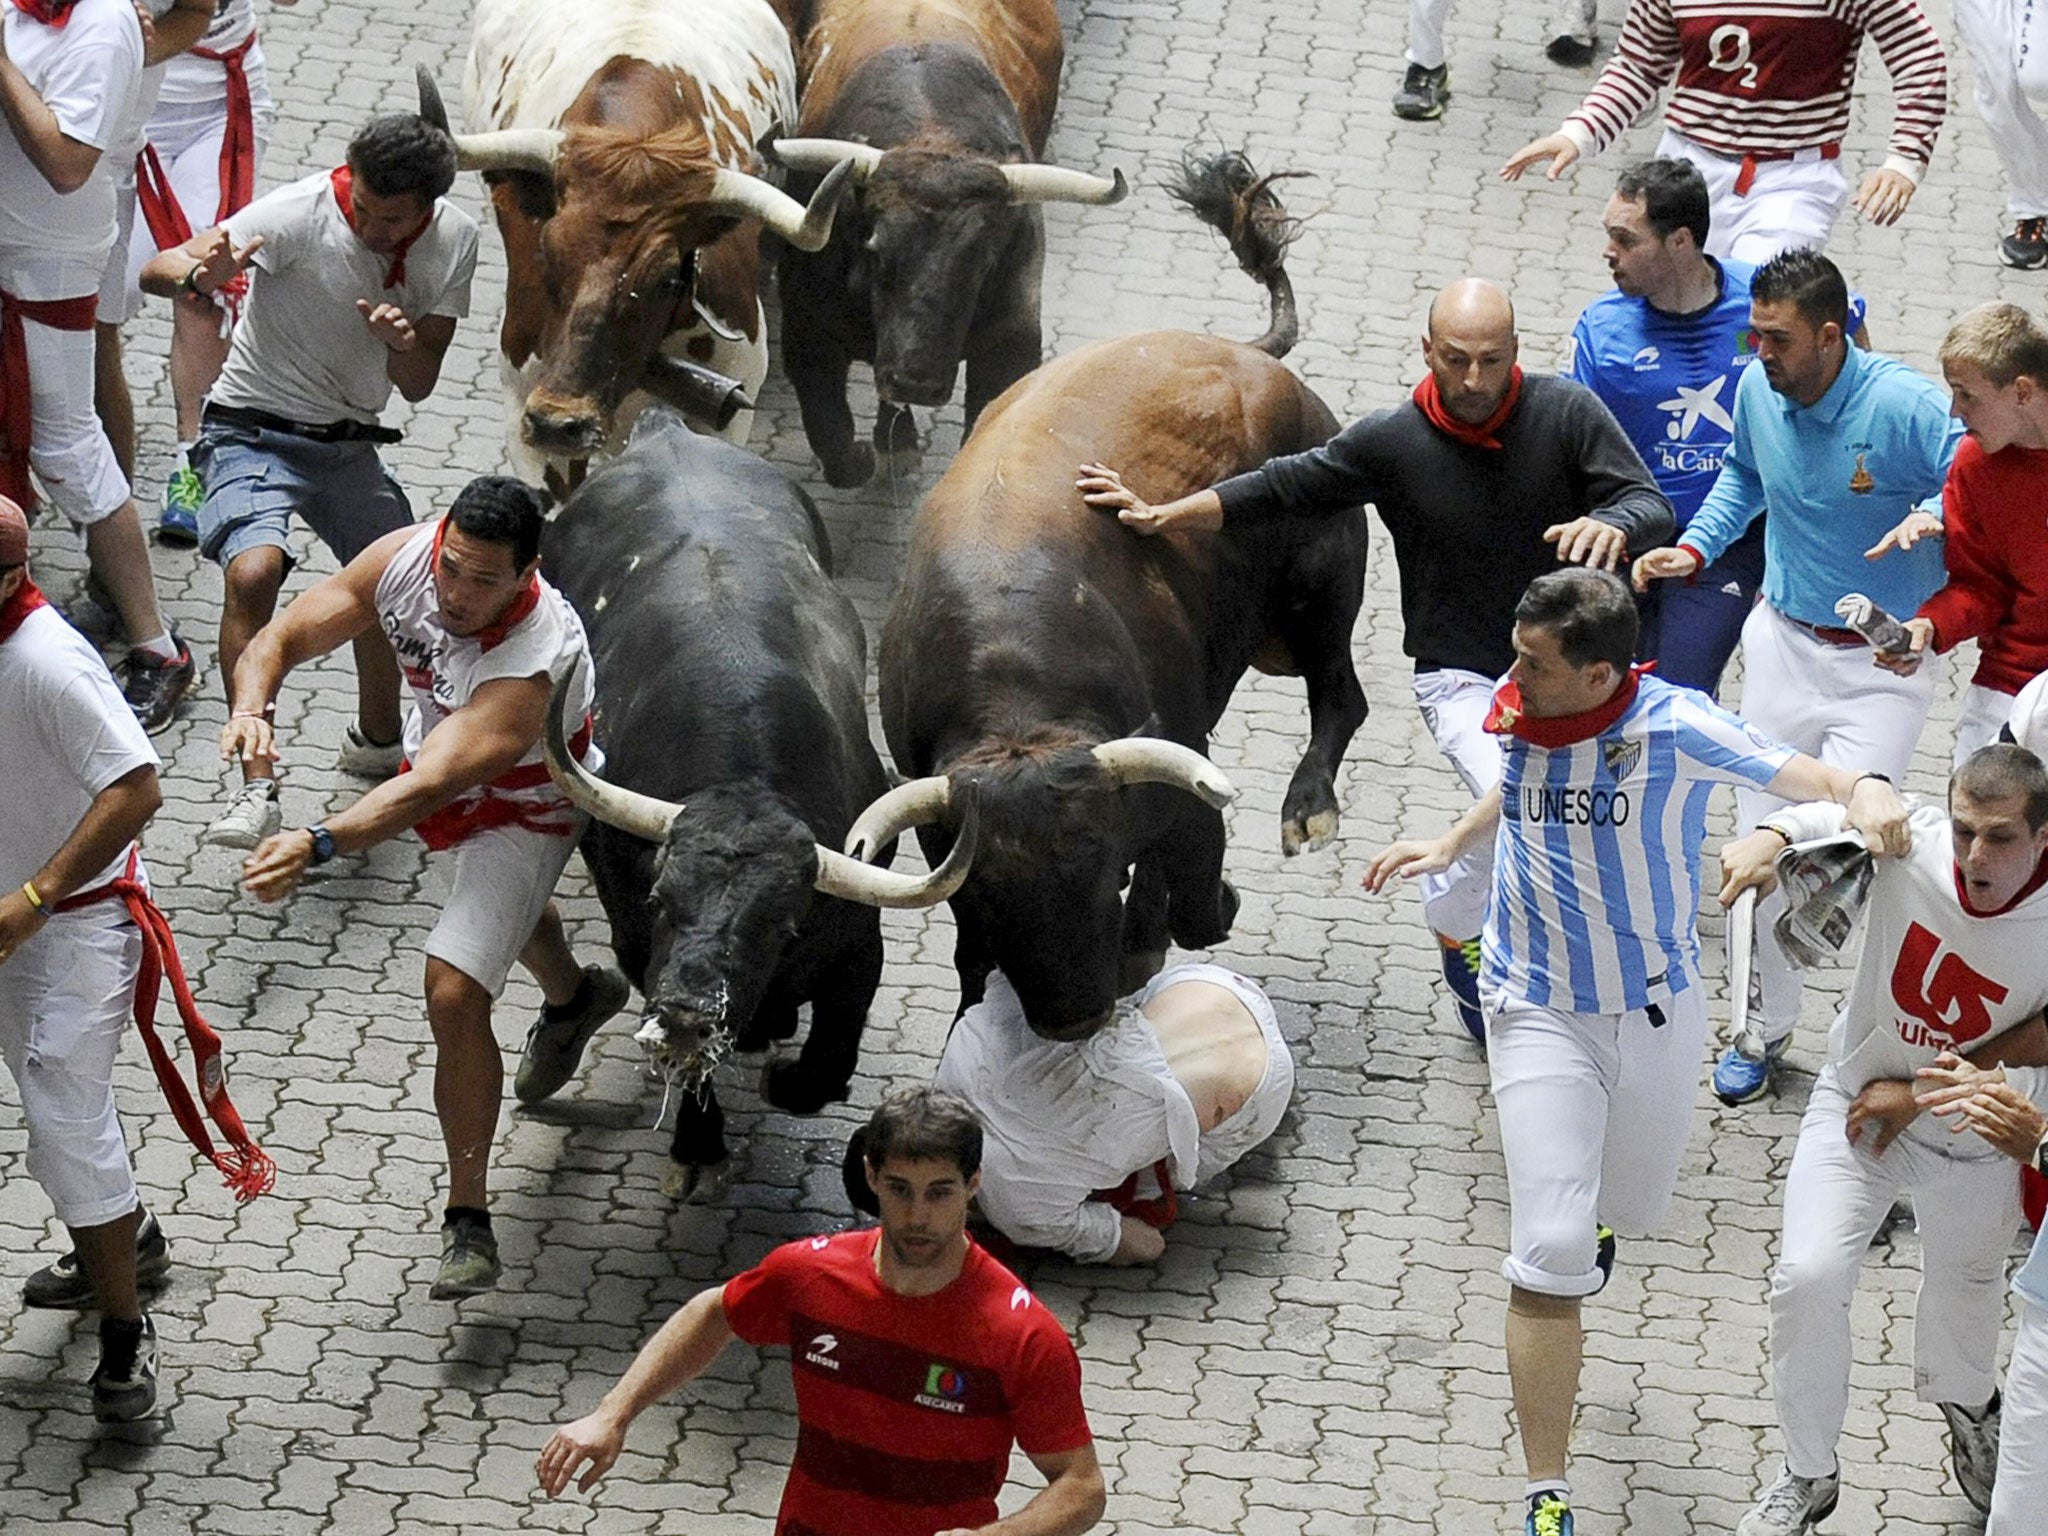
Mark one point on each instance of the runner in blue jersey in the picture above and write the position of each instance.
(1663, 352)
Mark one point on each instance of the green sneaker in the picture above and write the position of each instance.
(177, 522)
(469, 1262)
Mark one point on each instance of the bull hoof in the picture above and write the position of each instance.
(698, 1183)
(853, 471)
(1299, 836)
(790, 1089)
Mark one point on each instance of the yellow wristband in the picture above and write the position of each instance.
(35, 897)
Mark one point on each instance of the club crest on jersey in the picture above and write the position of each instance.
(1861, 482)
(945, 1387)
(1623, 757)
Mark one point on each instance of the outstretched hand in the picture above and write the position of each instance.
(1409, 859)
(1662, 565)
(1883, 196)
(1560, 151)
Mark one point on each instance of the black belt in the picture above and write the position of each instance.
(313, 431)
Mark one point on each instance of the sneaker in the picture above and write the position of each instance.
(1550, 1514)
(177, 520)
(1973, 1449)
(1461, 975)
(64, 1283)
(365, 759)
(1603, 1255)
(1739, 1079)
(124, 1382)
(554, 1046)
(2027, 246)
(469, 1262)
(251, 816)
(153, 685)
(1574, 32)
(1423, 93)
(1792, 1505)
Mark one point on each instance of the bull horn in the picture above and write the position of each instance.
(1149, 760)
(640, 815)
(820, 155)
(1056, 184)
(510, 149)
(898, 810)
(854, 880)
(433, 111)
(807, 228)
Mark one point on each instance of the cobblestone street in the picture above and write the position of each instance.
(1319, 1353)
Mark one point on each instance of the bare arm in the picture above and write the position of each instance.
(1412, 858)
(115, 819)
(686, 1345)
(1071, 1501)
(64, 162)
(1874, 807)
(179, 29)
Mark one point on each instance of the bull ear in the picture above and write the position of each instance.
(533, 194)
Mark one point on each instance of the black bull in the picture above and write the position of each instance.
(731, 707)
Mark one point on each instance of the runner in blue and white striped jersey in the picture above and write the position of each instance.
(1590, 978)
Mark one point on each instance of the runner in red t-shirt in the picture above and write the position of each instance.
(918, 1360)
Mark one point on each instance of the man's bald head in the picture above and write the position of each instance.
(1473, 309)
(1470, 348)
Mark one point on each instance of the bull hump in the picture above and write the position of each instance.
(1018, 39)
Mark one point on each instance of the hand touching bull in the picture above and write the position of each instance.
(1103, 488)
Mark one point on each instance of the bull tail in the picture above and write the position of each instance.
(1227, 193)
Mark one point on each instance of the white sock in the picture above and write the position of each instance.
(185, 453)
(164, 647)
(1542, 1485)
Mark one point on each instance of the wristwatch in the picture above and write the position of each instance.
(323, 844)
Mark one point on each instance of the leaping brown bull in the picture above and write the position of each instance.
(619, 141)
(942, 106)
(1069, 674)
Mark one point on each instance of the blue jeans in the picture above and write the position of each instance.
(255, 480)
(1691, 628)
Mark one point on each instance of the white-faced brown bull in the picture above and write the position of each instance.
(619, 141)
(731, 680)
(1067, 674)
(942, 106)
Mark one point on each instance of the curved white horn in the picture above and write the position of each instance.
(896, 812)
(855, 881)
(510, 149)
(637, 814)
(822, 154)
(1149, 760)
(1056, 184)
(735, 192)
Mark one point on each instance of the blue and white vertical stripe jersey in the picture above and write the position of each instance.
(1597, 860)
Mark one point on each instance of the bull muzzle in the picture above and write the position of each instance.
(566, 429)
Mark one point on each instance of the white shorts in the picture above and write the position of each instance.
(1594, 1113)
(69, 451)
(1982, 713)
(66, 998)
(500, 881)
(2020, 1493)
(1789, 203)
(187, 137)
(1454, 703)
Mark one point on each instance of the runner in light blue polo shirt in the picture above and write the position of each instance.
(1840, 444)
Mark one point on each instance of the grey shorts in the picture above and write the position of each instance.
(255, 480)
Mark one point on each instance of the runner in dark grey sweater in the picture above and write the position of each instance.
(1476, 478)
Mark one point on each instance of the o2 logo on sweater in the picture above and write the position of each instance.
(1728, 54)
(944, 1388)
(1945, 1003)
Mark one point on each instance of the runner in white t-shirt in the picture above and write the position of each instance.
(483, 640)
(1955, 958)
(356, 278)
(69, 72)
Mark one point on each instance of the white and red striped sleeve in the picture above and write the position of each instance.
(1645, 59)
(1911, 49)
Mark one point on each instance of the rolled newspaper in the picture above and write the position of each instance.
(1884, 632)
(1745, 1037)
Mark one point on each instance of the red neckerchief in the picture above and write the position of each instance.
(51, 13)
(2034, 883)
(1431, 402)
(343, 182)
(492, 635)
(1506, 718)
(26, 600)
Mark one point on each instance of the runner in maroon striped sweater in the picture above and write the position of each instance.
(1760, 103)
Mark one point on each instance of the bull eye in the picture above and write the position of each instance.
(873, 243)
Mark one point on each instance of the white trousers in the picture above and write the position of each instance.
(1789, 203)
(1426, 20)
(1836, 1196)
(1981, 714)
(2019, 1499)
(1454, 705)
(1830, 702)
(66, 998)
(2007, 41)
(1594, 1113)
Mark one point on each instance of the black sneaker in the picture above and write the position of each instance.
(1574, 33)
(554, 1046)
(63, 1284)
(154, 686)
(124, 1382)
(1603, 1255)
(2027, 246)
(1423, 93)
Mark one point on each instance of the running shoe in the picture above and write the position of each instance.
(124, 1382)
(554, 1046)
(1740, 1079)
(1973, 1449)
(1792, 1506)
(154, 685)
(177, 518)
(1550, 1514)
(469, 1262)
(64, 1283)
(251, 816)
(1461, 974)
(1423, 93)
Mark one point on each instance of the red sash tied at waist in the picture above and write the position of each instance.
(1159, 1213)
(17, 420)
(247, 1168)
(169, 225)
(462, 819)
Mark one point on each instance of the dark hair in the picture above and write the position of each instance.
(2003, 771)
(403, 154)
(924, 1122)
(1592, 613)
(1807, 280)
(1673, 195)
(501, 510)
